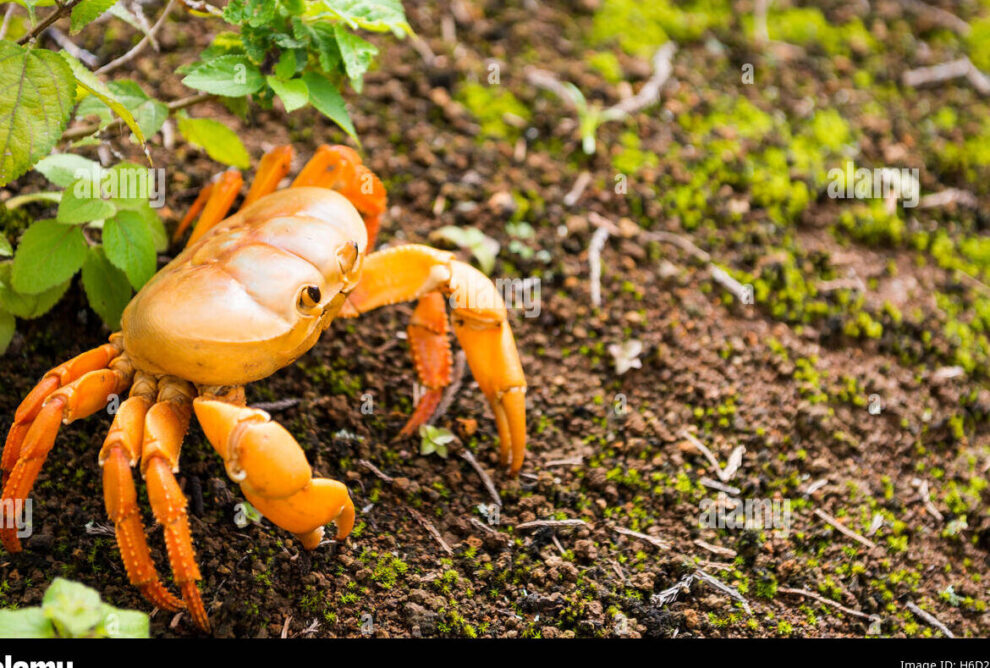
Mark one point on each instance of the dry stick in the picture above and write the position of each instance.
(953, 69)
(930, 618)
(6, 19)
(76, 52)
(595, 248)
(716, 549)
(460, 360)
(175, 105)
(285, 627)
(374, 469)
(650, 92)
(583, 179)
(828, 519)
(731, 591)
(926, 499)
(652, 540)
(731, 466)
(431, 529)
(949, 196)
(570, 461)
(826, 601)
(489, 485)
(938, 16)
(201, 6)
(148, 38)
(760, 21)
(536, 524)
(279, 405)
(60, 11)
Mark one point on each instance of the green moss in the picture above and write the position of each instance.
(630, 158)
(978, 43)
(490, 105)
(640, 27)
(807, 27)
(607, 64)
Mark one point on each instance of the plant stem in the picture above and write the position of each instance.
(175, 105)
(21, 200)
(60, 11)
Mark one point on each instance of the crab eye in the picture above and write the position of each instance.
(310, 297)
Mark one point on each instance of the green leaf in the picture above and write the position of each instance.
(64, 168)
(128, 244)
(483, 247)
(373, 15)
(27, 306)
(89, 81)
(25, 623)
(293, 93)
(49, 254)
(149, 113)
(219, 141)
(6, 250)
(7, 324)
(357, 54)
(106, 287)
(88, 11)
(434, 439)
(74, 608)
(325, 97)
(119, 623)
(285, 69)
(82, 202)
(232, 76)
(37, 103)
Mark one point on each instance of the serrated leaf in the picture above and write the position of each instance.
(373, 15)
(119, 623)
(220, 142)
(74, 608)
(27, 306)
(357, 55)
(128, 244)
(286, 66)
(107, 288)
(88, 11)
(89, 81)
(64, 168)
(231, 76)
(25, 623)
(82, 203)
(293, 93)
(35, 107)
(7, 324)
(48, 254)
(148, 113)
(326, 98)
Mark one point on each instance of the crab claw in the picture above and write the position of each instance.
(273, 472)
(480, 323)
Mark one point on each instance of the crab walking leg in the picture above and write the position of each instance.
(121, 451)
(165, 426)
(339, 168)
(430, 346)
(272, 169)
(273, 472)
(80, 398)
(222, 195)
(409, 272)
(63, 374)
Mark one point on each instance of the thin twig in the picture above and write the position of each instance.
(652, 540)
(595, 248)
(826, 601)
(431, 529)
(455, 386)
(175, 105)
(930, 618)
(6, 19)
(720, 486)
(570, 461)
(949, 196)
(926, 499)
(60, 11)
(556, 524)
(828, 519)
(279, 405)
(731, 466)
(73, 50)
(201, 6)
(148, 38)
(650, 92)
(716, 549)
(374, 469)
(731, 591)
(583, 179)
(962, 67)
(489, 485)
(937, 15)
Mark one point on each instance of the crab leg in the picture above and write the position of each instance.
(165, 425)
(122, 450)
(63, 374)
(222, 194)
(80, 398)
(410, 272)
(339, 168)
(273, 472)
(272, 169)
(430, 346)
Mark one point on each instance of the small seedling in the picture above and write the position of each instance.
(435, 440)
(73, 610)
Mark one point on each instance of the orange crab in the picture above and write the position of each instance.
(249, 295)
